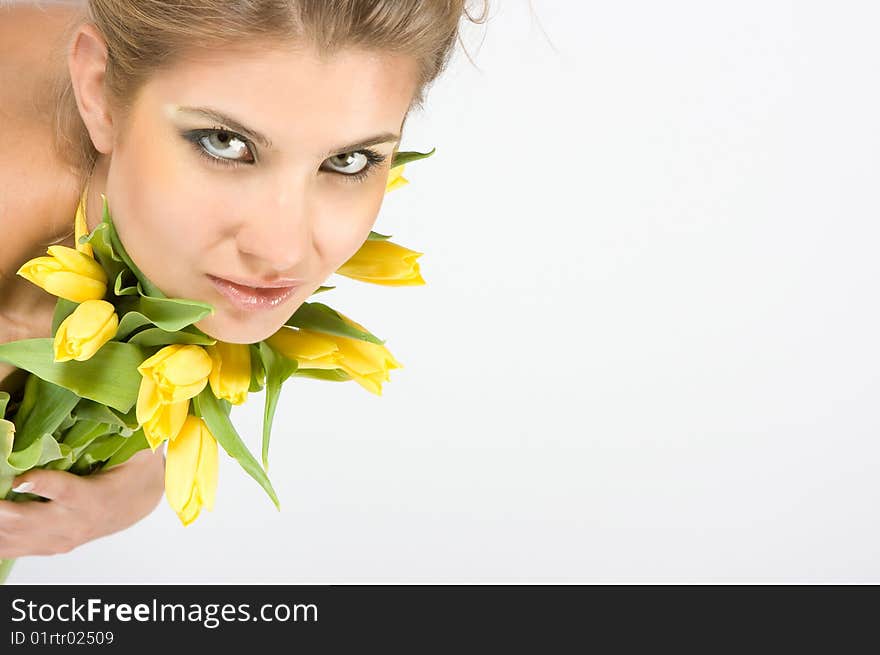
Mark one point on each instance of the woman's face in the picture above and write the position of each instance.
(287, 185)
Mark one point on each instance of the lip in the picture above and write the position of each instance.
(252, 298)
(260, 284)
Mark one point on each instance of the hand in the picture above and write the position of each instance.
(80, 508)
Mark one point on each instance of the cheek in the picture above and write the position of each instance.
(337, 239)
(159, 218)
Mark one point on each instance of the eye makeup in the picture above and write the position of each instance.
(195, 138)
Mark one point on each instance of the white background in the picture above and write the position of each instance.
(647, 350)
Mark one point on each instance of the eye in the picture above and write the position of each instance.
(222, 146)
(356, 165)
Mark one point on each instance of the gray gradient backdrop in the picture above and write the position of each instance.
(647, 351)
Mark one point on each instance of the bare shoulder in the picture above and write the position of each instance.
(32, 54)
(34, 186)
(32, 59)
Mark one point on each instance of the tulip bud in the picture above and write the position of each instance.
(380, 261)
(169, 379)
(395, 179)
(230, 376)
(79, 336)
(309, 349)
(67, 273)
(365, 362)
(191, 470)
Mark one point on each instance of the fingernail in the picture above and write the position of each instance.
(23, 487)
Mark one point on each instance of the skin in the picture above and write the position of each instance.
(292, 213)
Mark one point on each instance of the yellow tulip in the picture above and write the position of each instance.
(180, 371)
(395, 179)
(365, 362)
(79, 336)
(67, 273)
(383, 262)
(230, 375)
(309, 349)
(165, 422)
(169, 379)
(191, 470)
(81, 227)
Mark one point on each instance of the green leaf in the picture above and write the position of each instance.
(28, 400)
(158, 337)
(129, 323)
(109, 377)
(375, 236)
(401, 158)
(207, 406)
(170, 314)
(53, 405)
(65, 424)
(328, 374)
(64, 462)
(278, 369)
(126, 287)
(90, 410)
(133, 444)
(321, 318)
(42, 450)
(322, 289)
(4, 401)
(81, 435)
(99, 450)
(7, 473)
(99, 239)
(258, 369)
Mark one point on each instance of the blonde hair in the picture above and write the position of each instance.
(147, 36)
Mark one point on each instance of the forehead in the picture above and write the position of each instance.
(291, 94)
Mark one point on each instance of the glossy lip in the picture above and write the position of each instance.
(260, 284)
(252, 298)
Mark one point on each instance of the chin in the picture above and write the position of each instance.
(247, 330)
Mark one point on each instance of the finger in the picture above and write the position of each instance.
(60, 486)
(17, 516)
(37, 529)
(11, 516)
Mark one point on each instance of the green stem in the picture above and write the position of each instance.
(5, 568)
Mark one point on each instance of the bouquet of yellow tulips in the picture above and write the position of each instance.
(126, 369)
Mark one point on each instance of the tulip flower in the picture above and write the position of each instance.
(165, 421)
(67, 273)
(383, 262)
(79, 336)
(309, 349)
(169, 379)
(365, 362)
(230, 376)
(191, 470)
(395, 179)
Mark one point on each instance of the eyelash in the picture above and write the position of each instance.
(374, 159)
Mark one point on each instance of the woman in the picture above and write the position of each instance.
(244, 148)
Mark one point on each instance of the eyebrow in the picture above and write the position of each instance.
(230, 122)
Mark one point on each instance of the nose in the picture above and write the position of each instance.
(276, 238)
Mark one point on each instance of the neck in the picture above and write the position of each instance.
(62, 231)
